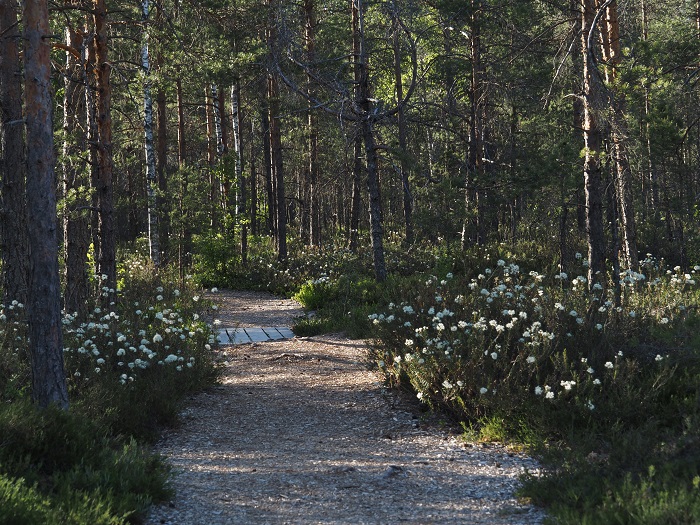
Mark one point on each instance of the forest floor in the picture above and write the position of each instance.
(302, 431)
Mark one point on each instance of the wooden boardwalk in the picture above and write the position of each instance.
(237, 336)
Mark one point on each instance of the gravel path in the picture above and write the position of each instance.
(302, 432)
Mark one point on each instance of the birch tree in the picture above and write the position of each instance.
(151, 175)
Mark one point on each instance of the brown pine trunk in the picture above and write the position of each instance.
(612, 54)
(357, 167)
(44, 305)
(367, 129)
(13, 225)
(592, 144)
(75, 182)
(253, 184)
(211, 157)
(403, 143)
(185, 245)
(278, 168)
(105, 191)
(162, 173)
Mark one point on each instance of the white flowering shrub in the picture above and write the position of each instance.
(506, 338)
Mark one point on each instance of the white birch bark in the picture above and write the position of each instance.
(153, 240)
(235, 119)
(217, 121)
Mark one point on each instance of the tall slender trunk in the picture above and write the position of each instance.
(185, 244)
(105, 189)
(75, 183)
(313, 166)
(253, 183)
(13, 221)
(403, 143)
(592, 143)
(612, 54)
(268, 170)
(44, 305)
(278, 168)
(367, 128)
(276, 136)
(357, 167)
(474, 197)
(151, 174)
(241, 197)
(162, 203)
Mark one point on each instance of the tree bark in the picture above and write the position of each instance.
(592, 143)
(367, 124)
(313, 166)
(75, 182)
(151, 175)
(278, 169)
(276, 138)
(403, 143)
(13, 225)
(44, 306)
(105, 190)
(162, 203)
(612, 55)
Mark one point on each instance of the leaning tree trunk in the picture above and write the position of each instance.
(592, 144)
(151, 174)
(44, 305)
(13, 226)
(105, 189)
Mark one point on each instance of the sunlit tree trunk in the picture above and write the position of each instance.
(592, 143)
(151, 175)
(474, 196)
(357, 167)
(44, 305)
(313, 166)
(13, 219)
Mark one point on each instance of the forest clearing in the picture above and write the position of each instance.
(496, 204)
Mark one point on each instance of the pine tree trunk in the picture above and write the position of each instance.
(592, 143)
(13, 219)
(75, 182)
(278, 168)
(367, 124)
(612, 54)
(313, 166)
(104, 186)
(44, 305)
(403, 143)
(185, 244)
(162, 203)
